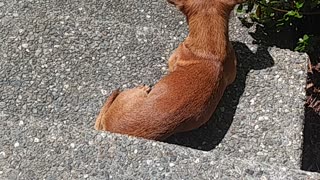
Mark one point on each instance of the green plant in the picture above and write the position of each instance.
(303, 44)
(285, 15)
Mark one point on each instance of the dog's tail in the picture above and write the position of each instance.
(104, 109)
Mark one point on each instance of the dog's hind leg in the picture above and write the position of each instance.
(104, 109)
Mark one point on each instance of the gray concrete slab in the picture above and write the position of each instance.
(60, 60)
(36, 150)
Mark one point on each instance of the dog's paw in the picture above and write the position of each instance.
(145, 88)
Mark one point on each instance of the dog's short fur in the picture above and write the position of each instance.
(200, 69)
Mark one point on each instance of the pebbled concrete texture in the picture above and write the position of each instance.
(60, 59)
(65, 152)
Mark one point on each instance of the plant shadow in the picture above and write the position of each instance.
(311, 141)
(311, 133)
(285, 37)
(208, 136)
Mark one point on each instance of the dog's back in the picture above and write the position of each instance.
(200, 70)
(181, 101)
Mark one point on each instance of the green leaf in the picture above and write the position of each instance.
(292, 13)
(303, 45)
(299, 5)
(305, 37)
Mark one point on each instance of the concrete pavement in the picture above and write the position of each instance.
(60, 59)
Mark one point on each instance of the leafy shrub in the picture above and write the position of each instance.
(296, 15)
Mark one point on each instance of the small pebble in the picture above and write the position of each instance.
(103, 135)
(36, 140)
(16, 144)
(21, 123)
(3, 154)
(263, 178)
(149, 162)
(24, 45)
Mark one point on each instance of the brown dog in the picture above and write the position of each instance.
(200, 69)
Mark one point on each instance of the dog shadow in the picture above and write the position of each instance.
(208, 136)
